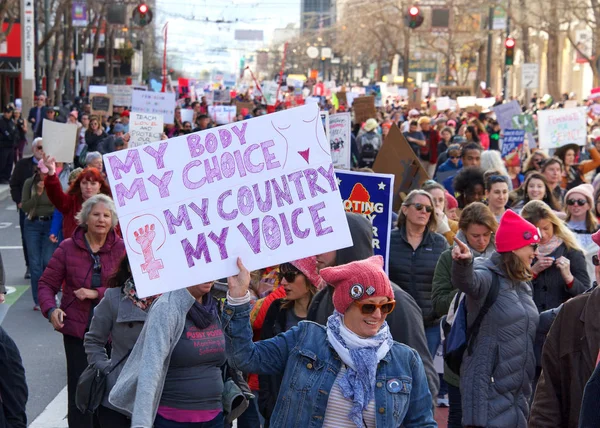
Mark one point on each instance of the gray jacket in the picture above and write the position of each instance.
(140, 385)
(496, 378)
(115, 317)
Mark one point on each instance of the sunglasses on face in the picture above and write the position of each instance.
(39, 148)
(420, 207)
(535, 246)
(595, 260)
(369, 308)
(454, 157)
(580, 202)
(288, 276)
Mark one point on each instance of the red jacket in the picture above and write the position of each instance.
(72, 265)
(432, 143)
(68, 205)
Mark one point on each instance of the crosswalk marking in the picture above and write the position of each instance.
(11, 207)
(12, 247)
(55, 414)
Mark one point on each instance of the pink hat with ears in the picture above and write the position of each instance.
(308, 267)
(596, 239)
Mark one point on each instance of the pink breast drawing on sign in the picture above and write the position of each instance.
(147, 239)
(300, 136)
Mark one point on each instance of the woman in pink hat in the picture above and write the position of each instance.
(348, 374)
(499, 364)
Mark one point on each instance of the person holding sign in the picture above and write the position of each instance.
(496, 375)
(575, 173)
(82, 265)
(89, 183)
(332, 376)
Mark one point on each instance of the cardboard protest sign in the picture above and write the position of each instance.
(121, 94)
(101, 104)
(560, 127)
(155, 103)
(187, 115)
(398, 158)
(59, 140)
(364, 109)
(340, 140)
(263, 190)
(222, 115)
(512, 140)
(243, 105)
(371, 196)
(144, 128)
(455, 91)
(341, 96)
(414, 100)
(325, 120)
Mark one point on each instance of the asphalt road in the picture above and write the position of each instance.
(41, 347)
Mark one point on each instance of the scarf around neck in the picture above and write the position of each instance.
(550, 246)
(205, 313)
(131, 293)
(361, 355)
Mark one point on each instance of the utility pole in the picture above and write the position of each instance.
(507, 68)
(47, 45)
(28, 49)
(488, 65)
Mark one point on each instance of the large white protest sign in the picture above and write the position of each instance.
(162, 103)
(464, 102)
(187, 115)
(442, 103)
(144, 128)
(121, 94)
(262, 189)
(340, 139)
(560, 127)
(222, 115)
(59, 140)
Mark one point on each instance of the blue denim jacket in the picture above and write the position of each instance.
(310, 366)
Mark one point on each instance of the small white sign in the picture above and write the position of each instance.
(144, 128)
(59, 140)
(156, 103)
(222, 115)
(530, 76)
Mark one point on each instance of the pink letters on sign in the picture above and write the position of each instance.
(145, 237)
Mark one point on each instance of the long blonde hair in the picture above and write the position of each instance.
(534, 211)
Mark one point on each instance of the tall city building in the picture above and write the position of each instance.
(316, 14)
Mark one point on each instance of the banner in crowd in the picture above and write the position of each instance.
(59, 140)
(371, 196)
(340, 128)
(512, 140)
(398, 158)
(510, 116)
(218, 96)
(222, 115)
(560, 127)
(144, 128)
(187, 115)
(121, 94)
(263, 190)
(162, 103)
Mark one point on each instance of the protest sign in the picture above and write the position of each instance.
(101, 104)
(269, 90)
(414, 100)
(222, 115)
(485, 103)
(341, 96)
(350, 97)
(455, 91)
(155, 103)
(442, 103)
(570, 104)
(464, 102)
(364, 109)
(340, 127)
(325, 120)
(121, 94)
(221, 96)
(98, 89)
(560, 127)
(59, 140)
(370, 195)
(144, 128)
(505, 112)
(263, 190)
(512, 140)
(525, 122)
(239, 105)
(187, 115)
(398, 158)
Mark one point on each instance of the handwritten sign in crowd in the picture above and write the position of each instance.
(144, 128)
(512, 140)
(340, 126)
(263, 189)
(370, 195)
(560, 127)
(162, 103)
(222, 115)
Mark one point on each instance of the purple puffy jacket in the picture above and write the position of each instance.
(71, 265)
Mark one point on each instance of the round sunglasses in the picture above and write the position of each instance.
(580, 202)
(369, 308)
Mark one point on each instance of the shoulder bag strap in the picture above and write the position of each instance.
(489, 301)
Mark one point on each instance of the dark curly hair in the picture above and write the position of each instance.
(465, 182)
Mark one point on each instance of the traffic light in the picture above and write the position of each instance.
(414, 19)
(142, 15)
(509, 44)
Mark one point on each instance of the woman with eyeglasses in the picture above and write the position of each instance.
(477, 227)
(300, 280)
(496, 374)
(94, 134)
(89, 183)
(349, 373)
(415, 248)
(534, 188)
(82, 264)
(496, 193)
(559, 270)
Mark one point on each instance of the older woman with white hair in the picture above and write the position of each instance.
(94, 160)
(82, 264)
(491, 160)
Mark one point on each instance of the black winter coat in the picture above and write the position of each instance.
(549, 288)
(8, 133)
(13, 387)
(413, 269)
(23, 170)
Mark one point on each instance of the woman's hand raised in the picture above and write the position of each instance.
(461, 252)
(239, 284)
